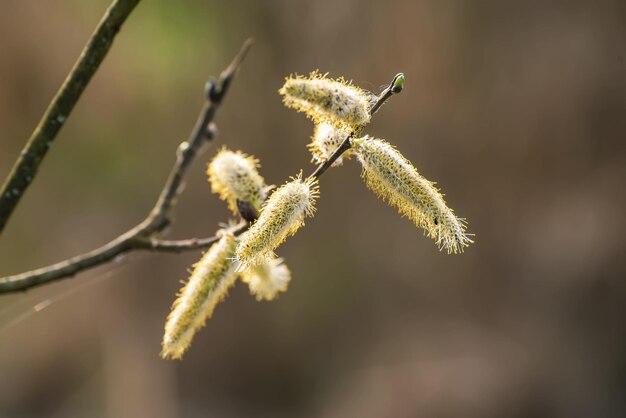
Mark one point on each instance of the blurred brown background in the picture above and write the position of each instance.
(516, 109)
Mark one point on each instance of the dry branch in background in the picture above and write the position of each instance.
(25, 169)
(146, 235)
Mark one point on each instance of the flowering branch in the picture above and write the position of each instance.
(145, 235)
(339, 111)
(27, 165)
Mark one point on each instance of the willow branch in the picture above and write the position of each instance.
(25, 168)
(215, 92)
(179, 246)
(394, 87)
(145, 235)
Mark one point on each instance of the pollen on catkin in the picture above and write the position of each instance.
(392, 177)
(324, 99)
(233, 175)
(281, 216)
(325, 140)
(268, 279)
(208, 284)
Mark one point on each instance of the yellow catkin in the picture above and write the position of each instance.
(325, 140)
(392, 177)
(208, 284)
(268, 279)
(324, 99)
(281, 216)
(233, 175)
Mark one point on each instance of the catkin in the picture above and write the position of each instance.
(281, 216)
(392, 177)
(234, 175)
(325, 140)
(208, 284)
(324, 99)
(268, 279)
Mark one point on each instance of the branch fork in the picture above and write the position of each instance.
(146, 235)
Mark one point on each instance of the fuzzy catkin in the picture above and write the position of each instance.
(392, 177)
(281, 216)
(208, 284)
(324, 99)
(233, 175)
(268, 279)
(325, 140)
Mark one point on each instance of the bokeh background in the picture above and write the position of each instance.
(516, 109)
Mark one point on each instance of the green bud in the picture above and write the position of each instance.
(398, 83)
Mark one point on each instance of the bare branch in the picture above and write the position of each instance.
(26, 167)
(107, 253)
(179, 246)
(145, 235)
(203, 130)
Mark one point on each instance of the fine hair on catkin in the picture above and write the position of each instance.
(281, 216)
(323, 99)
(325, 140)
(268, 279)
(339, 111)
(208, 284)
(234, 175)
(392, 177)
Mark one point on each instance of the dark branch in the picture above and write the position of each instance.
(247, 211)
(145, 235)
(202, 130)
(179, 246)
(26, 167)
(394, 87)
(105, 254)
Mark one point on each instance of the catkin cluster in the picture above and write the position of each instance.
(339, 111)
(385, 171)
(233, 176)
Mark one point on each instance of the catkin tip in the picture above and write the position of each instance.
(267, 280)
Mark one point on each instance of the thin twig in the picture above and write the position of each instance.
(393, 88)
(145, 235)
(187, 151)
(26, 167)
(179, 246)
